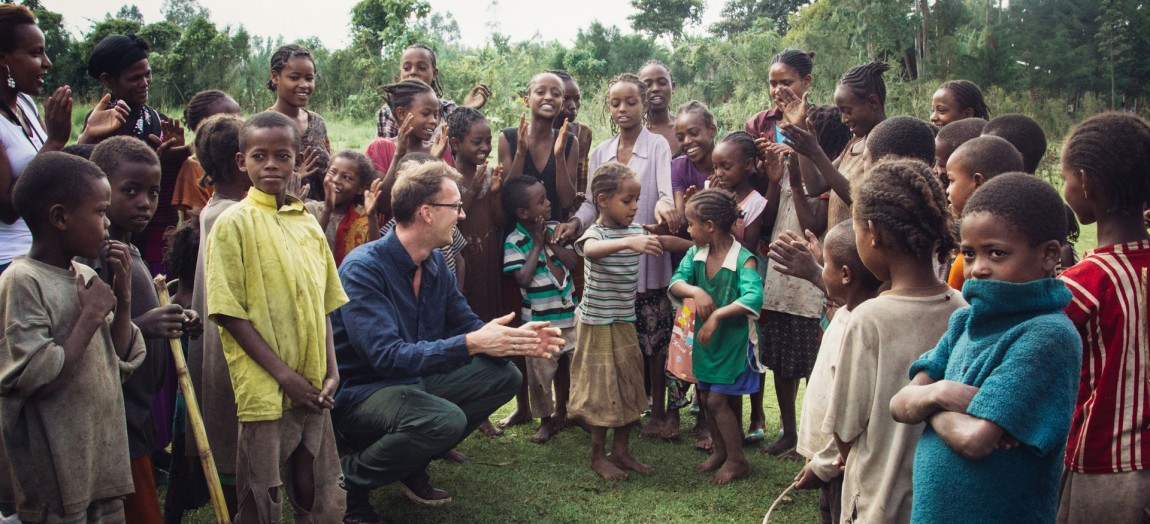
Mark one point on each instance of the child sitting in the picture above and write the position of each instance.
(133, 171)
(720, 274)
(970, 166)
(348, 214)
(977, 390)
(542, 268)
(64, 353)
(1107, 473)
(901, 225)
(271, 282)
(847, 282)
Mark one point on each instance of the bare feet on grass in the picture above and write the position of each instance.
(653, 429)
(516, 417)
(671, 425)
(705, 443)
(489, 429)
(730, 471)
(547, 429)
(783, 444)
(626, 461)
(608, 470)
(712, 463)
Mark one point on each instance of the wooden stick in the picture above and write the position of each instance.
(201, 435)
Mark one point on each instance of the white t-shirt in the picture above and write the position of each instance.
(816, 445)
(15, 238)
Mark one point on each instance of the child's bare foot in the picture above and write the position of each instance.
(547, 429)
(653, 429)
(625, 460)
(712, 463)
(608, 470)
(783, 444)
(705, 443)
(577, 422)
(516, 417)
(671, 425)
(489, 429)
(730, 471)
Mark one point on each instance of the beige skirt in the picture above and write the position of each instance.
(607, 376)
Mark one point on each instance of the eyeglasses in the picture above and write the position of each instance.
(458, 206)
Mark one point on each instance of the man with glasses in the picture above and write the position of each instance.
(419, 370)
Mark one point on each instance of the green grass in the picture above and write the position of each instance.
(511, 479)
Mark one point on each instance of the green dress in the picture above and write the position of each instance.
(725, 357)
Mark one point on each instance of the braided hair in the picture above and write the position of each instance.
(217, 142)
(1113, 150)
(435, 85)
(284, 54)
(459, 122)
(969, 96)
(699, 108)
(833, 135)
(633, 79)
(905, 201)
(744, 142)
(561, 73)
(802, 62)
(865, 80)
(402, 93)
(608, 179)
(716, 205)
(199, 107)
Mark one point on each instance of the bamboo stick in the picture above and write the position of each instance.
(201, 435)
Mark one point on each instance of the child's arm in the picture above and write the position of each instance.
(924, 396)
(324, 217)
(751, 232)
(297, 388)
(825, 175)
(674, 244)
(969, 436)
(496, 190)
(566, 255)
(750, 301)
(119, 260)
(566, 167)
(517, 160)
(371, 201)
(331, 379)
(771, 211)
(596, 249)
(795, 257)
(812, 217)
(96, 301)
(539, 239)
(460, 270)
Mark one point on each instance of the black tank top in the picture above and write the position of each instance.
(547, 176)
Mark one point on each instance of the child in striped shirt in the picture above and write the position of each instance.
(607, 367)
(542, 268)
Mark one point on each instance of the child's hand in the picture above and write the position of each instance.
(793, 259)
(704, 306)
(95, 296)
(953, 396)
(403, 137)
(301, 392)
(328, 190)
(303, 191)
(703, 336)
(478, 96)
(371, 197)
(439, 146)
(162, 322)
(807, 479)
(521, 134)
(496, 176)
(104, 120)
(646, 244)
(119, 259)
(307, 163)
(793, 107)
(193, 325)
(840, 462)
(662, 228)
(58, 114)
(538, 231)
(802, 141)
(326, 397)
(561, 141)
(172, 148)
(763, 143)
(566, 231)
(1007, 441)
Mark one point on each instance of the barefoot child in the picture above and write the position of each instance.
(719, 273)
(276, 335)
(69, 344)
(134, 174)
(847, 282)
(607, 366)
(349, 215)
(217, 143)
(542, 268)
(992, 447)
(901, 224)
(1107, 465)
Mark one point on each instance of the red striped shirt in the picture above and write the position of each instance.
(1110, 432)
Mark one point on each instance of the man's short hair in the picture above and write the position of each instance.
(417, 186)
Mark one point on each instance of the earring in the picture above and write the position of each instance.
(11, 81)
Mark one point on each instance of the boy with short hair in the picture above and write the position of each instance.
(271, 282)
(133, 171)
(67, 345)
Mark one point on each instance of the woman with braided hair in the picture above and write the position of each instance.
(956, 100)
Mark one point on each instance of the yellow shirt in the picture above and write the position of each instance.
(273, 268)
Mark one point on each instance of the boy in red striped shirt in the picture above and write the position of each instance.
(1107, 477)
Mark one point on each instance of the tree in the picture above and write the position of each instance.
(129, 12)
(161, 36)
(379, 23)
(742, 15)
(666, 17)
(183, 12)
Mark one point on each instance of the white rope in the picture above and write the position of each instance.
(767, 517)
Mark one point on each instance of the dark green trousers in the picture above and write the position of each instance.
(398, 429)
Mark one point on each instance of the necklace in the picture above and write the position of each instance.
(21, 120)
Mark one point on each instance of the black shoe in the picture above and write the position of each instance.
(359, 510)
(417, 487)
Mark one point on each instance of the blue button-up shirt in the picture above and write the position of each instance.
(385, 335)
